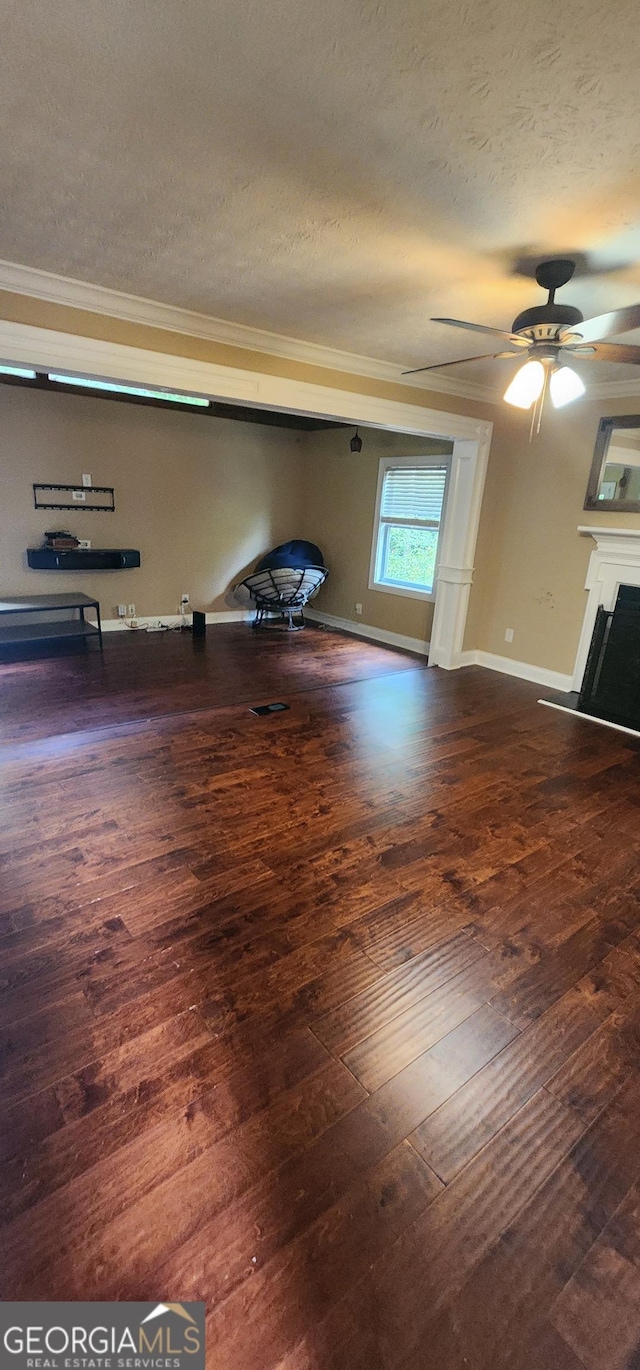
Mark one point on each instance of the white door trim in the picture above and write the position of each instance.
(47, 349)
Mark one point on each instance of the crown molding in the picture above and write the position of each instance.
(612, 389)
(115, 304)
(98, 299)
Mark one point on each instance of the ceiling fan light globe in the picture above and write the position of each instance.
(526, 386)
(565, 386)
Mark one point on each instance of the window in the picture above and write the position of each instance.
(411, 493)
(137, 391)
(112, 390)
(18, 371)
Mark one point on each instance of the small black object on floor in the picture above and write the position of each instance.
(261, 709)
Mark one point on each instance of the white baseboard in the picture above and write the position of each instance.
(524, 670)
(348, 625)
(118, 625)
(539, 675)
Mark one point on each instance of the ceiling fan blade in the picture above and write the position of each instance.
(485, 357)
(608, 325)
(614, 352)
(484, 328)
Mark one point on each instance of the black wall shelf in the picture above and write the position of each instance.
(107, 507)
(77, 559)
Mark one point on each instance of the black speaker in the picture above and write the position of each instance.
(199, 626)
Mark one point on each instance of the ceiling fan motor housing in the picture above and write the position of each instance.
(544, 321)
(547, 331)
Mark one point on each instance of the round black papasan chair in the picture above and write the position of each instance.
(282, 583)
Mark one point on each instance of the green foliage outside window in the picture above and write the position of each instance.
(410, 556)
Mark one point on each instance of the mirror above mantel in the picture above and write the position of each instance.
(614, 480)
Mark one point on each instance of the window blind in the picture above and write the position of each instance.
(413, 492)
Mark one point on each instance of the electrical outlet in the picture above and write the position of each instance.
(122, 611)
(79, 496)
(184, 599)
(358, 608)
(84, 544)
(132, 611)
(86, 481)
(508, 634)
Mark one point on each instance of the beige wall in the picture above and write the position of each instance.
(339, 501)
(200, 497)
(531, 563)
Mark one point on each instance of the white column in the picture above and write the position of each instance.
(457, 548)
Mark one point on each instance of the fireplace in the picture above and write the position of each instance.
(611, 685)
(614, 562)
(606, 679)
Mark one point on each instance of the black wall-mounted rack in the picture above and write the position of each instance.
(79, 559)
(106, 508)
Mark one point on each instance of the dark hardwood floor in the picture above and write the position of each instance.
(329, 1018)
(142, 676)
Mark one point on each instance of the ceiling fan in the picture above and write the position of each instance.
(548, 334)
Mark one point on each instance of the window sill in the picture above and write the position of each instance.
(388, 589)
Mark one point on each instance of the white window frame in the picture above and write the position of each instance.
(377, 542)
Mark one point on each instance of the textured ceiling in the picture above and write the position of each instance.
(334, 171)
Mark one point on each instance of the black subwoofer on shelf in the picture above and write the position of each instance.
(611, 685)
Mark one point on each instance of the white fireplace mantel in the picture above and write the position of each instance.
(615, 561)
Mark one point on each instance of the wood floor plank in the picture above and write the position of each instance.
(395, 993)
(452, 1135)
(449, 1240)
(598, 1311)
(330, 1018)
(180, 1172)
(166, 679)
(608, 986)
(170, 1074)
(393, 932)
(276, 1211)
(506, 1302)
(592, 1076)
(391, 1047)
(477, 1207)
(539, 986)
(300, 1285)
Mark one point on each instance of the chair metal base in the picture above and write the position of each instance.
(284, 623)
